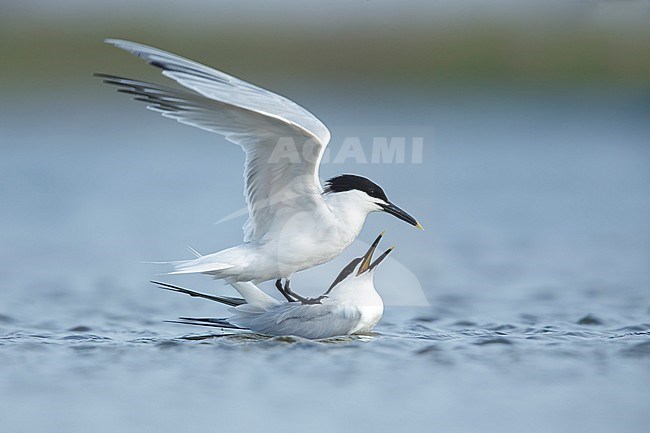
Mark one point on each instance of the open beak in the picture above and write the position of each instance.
(399, 213)
(381, 258)
(367, 258)
(366, 264)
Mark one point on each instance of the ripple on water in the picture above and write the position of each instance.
(85, 337)
(429, 349)
(167, 344)
(640, 328)
(84, 348)
(6, 319)
(639, 350)
(491, 341)
(504, 327)
(426, 319)
(80, 328)
(435, 353)
(464, 323)
(590, 320)
(418, 327)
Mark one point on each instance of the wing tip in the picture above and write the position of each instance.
(134, 48)
(121, 43)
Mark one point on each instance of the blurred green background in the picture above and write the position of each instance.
(417, 43)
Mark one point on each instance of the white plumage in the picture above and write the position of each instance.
(352, 306)
(294, 224)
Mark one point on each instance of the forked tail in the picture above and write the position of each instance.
(227, 300)
(203, 321)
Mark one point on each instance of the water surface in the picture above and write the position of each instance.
(535, 264)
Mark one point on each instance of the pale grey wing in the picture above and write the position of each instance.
(310, 135)
(220, 86)
(310, 321)
(273, 182)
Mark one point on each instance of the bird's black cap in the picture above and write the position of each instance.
(348, 182)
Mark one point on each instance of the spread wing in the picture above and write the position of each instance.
(283, 142)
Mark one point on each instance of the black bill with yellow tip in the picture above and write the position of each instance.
(367, 258)
(390, 208)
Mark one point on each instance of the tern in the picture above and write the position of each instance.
(351, 305)
(294, 222)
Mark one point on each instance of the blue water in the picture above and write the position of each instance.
(524, 306)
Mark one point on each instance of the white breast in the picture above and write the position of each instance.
(359, 294)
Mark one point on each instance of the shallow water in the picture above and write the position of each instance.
(536, 263)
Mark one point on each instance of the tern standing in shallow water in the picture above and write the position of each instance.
(351, 305)
(294, 223)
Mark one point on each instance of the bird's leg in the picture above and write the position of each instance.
(303, 300)
(278, 285)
